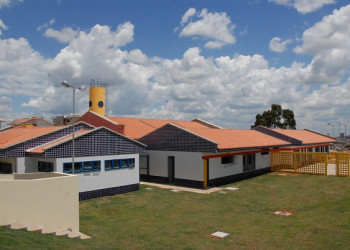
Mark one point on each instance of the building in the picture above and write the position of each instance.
(200, 154)
(106, 162)
(30, 122)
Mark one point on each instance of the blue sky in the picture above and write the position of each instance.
(221, 61)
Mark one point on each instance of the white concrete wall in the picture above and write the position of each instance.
(217, 170)
(188, 165)
(50, 203)
(262, 161)
(94, 180)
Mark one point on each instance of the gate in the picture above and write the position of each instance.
(342, 161)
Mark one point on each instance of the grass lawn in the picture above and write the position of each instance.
(161, 219)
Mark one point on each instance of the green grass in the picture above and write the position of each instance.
(161, 219)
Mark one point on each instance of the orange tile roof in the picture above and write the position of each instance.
(238, 138)
(306, 136)
(17, 135)
(135, 128)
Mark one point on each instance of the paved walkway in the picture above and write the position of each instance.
(193, 190)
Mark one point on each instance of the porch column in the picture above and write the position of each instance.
(205, 172)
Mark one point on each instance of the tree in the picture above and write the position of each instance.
(276, 118)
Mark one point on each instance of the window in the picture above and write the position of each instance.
(5, 168)
(67, 167)
(45, 166)
(78, 167)
(96, 166)
(124, 163)
(131, 163)
(87, 166)
(228, 159)
(100, 104)
(108, 164)
(120, 163)
(116, 164)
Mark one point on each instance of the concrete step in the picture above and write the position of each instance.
(18, 226)
(34, 229)
(62, 233)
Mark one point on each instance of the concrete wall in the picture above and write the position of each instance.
(217, 170)
(33, 200)
(94, 180)
(188, 165)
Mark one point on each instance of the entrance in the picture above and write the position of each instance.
(171, 169)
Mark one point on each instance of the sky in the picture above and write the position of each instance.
(222, 61)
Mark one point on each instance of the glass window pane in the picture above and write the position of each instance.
(123, 164)
(87, 166)
(67, 167)
(78, 167)
(96, 165)
(108, 165)
(131, 163)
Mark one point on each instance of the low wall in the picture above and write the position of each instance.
(44, 200)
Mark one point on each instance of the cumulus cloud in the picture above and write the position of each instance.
(304, 6)
(189, 13)
(65, 35)
(226, 90)
(216, 27)
(328, 41)
(277, 45)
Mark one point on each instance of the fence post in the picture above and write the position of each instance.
(295, 161)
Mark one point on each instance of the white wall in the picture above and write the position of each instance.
(262, 161)
(33, 200)
(94, 180)
(217, 170)
(188, 165)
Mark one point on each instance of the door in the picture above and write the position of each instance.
(248, 162)
(171, 169)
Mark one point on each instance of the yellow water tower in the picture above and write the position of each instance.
(97, 98)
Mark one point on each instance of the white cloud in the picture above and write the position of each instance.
(65, 35)
(304, 6)
(226, 90)
(216, 27)
(46, 25)
(328, 41)
(18, 54)
(277, 45)
(189, 13)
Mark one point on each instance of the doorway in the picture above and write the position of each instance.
(171, 169)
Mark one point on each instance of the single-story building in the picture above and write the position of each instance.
(200, 154)
(106, 162)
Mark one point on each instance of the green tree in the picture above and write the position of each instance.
(276, 117)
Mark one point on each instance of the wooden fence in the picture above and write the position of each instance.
(311, 163)
(299, 162)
